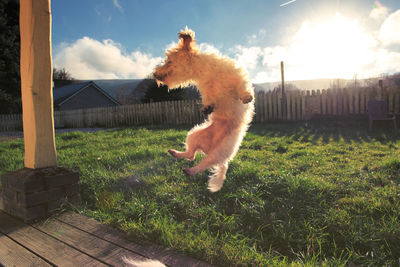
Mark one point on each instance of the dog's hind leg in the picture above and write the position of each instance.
(206, 163)
(188, 154)
(218, 177)
(195, 141)
(212, 159)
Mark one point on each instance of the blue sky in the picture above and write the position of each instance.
(96, 39)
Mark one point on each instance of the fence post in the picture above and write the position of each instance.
(283, 110)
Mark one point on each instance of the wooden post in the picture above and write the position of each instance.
(283, 95)
(36, 83)
(41, 188)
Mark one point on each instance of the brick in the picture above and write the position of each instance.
(64, 177)
(29, 200)
(9, 194)
(32, 194)
(72, 189)
(4, 180)
(23, 180)
(27, 214)
(1, 200)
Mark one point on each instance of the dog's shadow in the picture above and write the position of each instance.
(129, 183)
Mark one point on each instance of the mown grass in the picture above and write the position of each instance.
(296, 194)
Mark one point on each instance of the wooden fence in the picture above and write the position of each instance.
(300, 105)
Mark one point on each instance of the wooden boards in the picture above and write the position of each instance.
(70, 239)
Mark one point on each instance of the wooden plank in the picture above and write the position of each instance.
(189, 111)
(262, 106)
(94, 246)
(362, 93)
(391, 98)
(127, 115)
(293, 105)
(44, 245)
(303, 104)
(329, 101)
(270, 106)
(318, 107)
(140, 115)
(258, 108)
(178, 113)
(279, 105)
(350, 100)
(13, 254)
(132, 115)
(273, 106)
(356, 100)
(288, 105)
(186, 110)
(298, 104)
(345, 96)
(340, 101)
(324, 103)
(160, 113)
(166, 256)
(136, 114)
(265, 105)
(313, 102)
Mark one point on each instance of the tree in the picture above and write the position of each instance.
(159, 94)
(10, 88)
(61, 74)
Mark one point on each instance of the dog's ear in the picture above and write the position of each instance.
(186, 38)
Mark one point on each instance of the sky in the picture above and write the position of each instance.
(126, 39)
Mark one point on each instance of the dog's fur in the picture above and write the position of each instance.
(226, 93)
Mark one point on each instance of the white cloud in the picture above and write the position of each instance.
(118, 6)
(256, 38)
(209, 48)
(87, 58)
(247, 57)
(171, 45)
(390, 30)
(378, 12)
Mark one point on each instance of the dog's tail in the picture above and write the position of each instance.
(217, 178)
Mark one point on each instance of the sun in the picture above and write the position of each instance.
(331, 48)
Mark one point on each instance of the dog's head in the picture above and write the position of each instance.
(176, 71)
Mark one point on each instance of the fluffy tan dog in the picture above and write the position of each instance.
(227, 96)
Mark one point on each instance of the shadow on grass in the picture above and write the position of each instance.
(329, 130)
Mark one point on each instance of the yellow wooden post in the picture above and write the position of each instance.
(36, 83)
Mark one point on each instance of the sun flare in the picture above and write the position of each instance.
(332, 48)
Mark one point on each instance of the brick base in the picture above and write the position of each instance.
(33, 194)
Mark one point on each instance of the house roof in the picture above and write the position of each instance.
(113, 87)
(64, 93)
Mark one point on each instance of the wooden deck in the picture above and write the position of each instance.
(70, 239)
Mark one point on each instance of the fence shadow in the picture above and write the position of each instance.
(328, 131)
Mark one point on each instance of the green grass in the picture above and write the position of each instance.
(296, 194)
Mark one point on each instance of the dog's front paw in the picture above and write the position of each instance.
(246, 99)
(206, 110)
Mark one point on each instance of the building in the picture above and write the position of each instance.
(82, 95)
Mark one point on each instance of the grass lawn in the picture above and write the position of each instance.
(296, 194)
